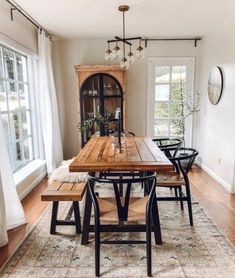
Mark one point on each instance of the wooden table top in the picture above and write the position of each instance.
(138, 154)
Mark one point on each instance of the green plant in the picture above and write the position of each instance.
(90, 125)
(189, 105)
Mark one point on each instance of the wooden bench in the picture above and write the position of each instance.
(65, 191)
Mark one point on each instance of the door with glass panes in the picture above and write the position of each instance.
(170, 87)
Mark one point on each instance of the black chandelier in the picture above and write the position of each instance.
(117, 53)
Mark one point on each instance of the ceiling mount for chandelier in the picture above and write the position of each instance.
(125, 56)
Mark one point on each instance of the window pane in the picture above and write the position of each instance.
(161, 128)
(162, 92)
(161, 110)
(13, 100)
(24, 96)
(15, 107)
(176, 110)
(28, 150)
(178, 91)
(162, 74)
(21, 68)
(15, 126)
(17, 156)
(3, 96)
(25, 120)
(178, 74)
(176, 128)
(9, 63)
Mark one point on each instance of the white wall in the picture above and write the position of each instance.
(68, 53)
(18, 30)
(215, 133)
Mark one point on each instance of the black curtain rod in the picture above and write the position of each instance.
(195, 39)
(16, 7)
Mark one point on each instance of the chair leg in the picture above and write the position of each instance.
(148, 246)
(189, 205)
(77, 217)
(156, 223)
(181, 201)
(55, 206)
(97, 251)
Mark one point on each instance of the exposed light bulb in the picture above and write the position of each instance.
(108, 55)
(124, 64)
(117, 53)
(140, 52)
(131, 57)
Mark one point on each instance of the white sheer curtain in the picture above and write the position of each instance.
(11, 210)
(47, 104)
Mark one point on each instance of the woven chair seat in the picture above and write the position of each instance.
(171, 179)
(136, 211)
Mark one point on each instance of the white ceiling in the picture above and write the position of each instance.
(148, 18)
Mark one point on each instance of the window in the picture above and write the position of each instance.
(170, 85)
(15, 106)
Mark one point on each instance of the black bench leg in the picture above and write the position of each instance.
(55, 206)
(77, 217)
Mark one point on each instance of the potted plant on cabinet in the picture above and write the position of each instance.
(92, 125)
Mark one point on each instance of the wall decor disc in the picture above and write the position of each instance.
(215, 85)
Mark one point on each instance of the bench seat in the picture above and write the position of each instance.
(65, 191)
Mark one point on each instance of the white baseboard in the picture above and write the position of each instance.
(222, 182)
(30, 178)
(31, 186)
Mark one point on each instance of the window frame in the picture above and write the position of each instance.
(31, 62)
(189, 62)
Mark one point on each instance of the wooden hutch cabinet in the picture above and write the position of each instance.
(101, 90)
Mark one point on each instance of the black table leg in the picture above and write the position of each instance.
(86, 219)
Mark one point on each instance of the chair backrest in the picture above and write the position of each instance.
(121, 202)
(183, 159)
(129, 133)
(168, 145)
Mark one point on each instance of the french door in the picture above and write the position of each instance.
(170, 88)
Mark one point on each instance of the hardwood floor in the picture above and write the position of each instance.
(218, 204)
(216, 201)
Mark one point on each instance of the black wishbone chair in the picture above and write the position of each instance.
(166, 144)
(178, 178)
(119, 211)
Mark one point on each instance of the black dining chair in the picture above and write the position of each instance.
(121, 212)
(165, 144)
(178, 178)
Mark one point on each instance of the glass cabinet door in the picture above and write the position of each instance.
(90, 98)
(100, 94)
(112, 99)
(111, 86)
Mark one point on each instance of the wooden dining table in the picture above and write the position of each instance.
(100, 155)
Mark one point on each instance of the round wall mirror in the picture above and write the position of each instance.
(215, 85)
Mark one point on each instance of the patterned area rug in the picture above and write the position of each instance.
(201, 251)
